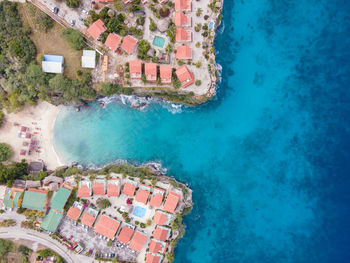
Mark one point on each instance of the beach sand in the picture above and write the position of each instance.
(40, 120)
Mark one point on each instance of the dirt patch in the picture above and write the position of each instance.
(51, 42)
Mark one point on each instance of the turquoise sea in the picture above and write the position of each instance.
(268, 158)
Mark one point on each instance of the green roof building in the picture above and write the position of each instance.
(34, 199)
(13, 198)
(51, 221)
(60, 198)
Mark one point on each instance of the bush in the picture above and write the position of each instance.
(5, 152)
(109, 243)
(198, 82)
(142, 225)
(73, 3)
(1, 118)
(74, 38)
(152, 25)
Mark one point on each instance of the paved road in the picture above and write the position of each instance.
(21, 233)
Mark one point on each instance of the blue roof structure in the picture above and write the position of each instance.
(52, 64)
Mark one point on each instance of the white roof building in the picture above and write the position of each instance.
(88, 60)
(52, 64)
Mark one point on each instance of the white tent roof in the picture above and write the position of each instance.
(88, 60)
(52, 67)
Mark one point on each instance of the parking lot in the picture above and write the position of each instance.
(93, 241)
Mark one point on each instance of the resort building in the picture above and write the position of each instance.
(13, 197)
(157, 197)
(183, 5)
(126, 234)
(75, 211)
(143, 193)
(185, 76)
(162, 218)
(36, 167)
(153, 258)
(129, 44)
(138, 241)
(35, 199)
(165, 73)
(129, 188)
(52, 64)
(88, 59)
(161, 233)
(156, 246)
(113, 41)
(85, 189)
(52, 179)
(183, 35)
(113, 187)
(99, 187)
(89, 217)
(182, 20)
(183, 52)
(96, 29)
(151, 72)
(51, 221)
(107, 226)
(127, 2)
(135, 69)
(60, 198)
(32, 184)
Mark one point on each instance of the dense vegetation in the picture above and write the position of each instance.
(9, 173)
(7, 246)
(74, 38)
(5, 152)
(73, 3)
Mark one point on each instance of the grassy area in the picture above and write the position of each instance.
(52, 41)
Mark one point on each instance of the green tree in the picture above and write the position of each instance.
(73, 3)
(5, 247)
(152, 25)
(74, 38)
(103, 203)
(5, 152)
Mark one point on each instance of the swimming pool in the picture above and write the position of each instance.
(158, 41)
(139, 211)
(211, 25)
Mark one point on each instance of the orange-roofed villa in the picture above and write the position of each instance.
(113, 41)
(138, 241)
(143, 193)
(107, 226)
(185, 76)
(129, 188)
(96, 29)
(157, 197)
(183, 35)
(126, 234)
(182, 20)
(89, 217)
(161, 233)
(99, 187)
(135, 69)
(165, 73)
(157, 246)
(84, 189)
(113, 187)
(183, 5)
(183, 52)
(153, 258)
(162, 218)
(129, 44)
(151, 72)
(75, 211)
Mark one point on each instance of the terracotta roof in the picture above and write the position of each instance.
(156, 246)
(153, 258)
(183, 5)
(113, 187)
(185, 76)
(161, 233)
(105, 1)
(125, 235)
(160, 218)
(165, 73)
(88, 219)
(135, 67)
(96, 29)
(98, 188)
(183, 35)
(74, 213)
(84, 191)
(129, 44)
(142, 194)
(138, 241)
(151, 71)
(129, 189)
(182, 20)
(37, 190)
(107, 226)
(184, 52)
(113, 40)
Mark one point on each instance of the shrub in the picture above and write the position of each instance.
(198, 82)
(1, 118)
(5, 152)
(142, 225)
(73, 3)
(74, 38)
(152, 25)
(109, 243)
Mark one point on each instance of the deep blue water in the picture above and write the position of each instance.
(268, 158)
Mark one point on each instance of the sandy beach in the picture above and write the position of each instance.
(40, 121)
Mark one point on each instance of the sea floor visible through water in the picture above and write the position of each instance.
(268, 158)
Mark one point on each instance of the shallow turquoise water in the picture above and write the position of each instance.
(267, 158)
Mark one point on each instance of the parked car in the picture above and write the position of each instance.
(72, 22)
(55, 10)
